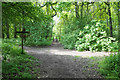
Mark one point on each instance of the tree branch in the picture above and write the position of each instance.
(53, 9)
(43, 5)
(106, 3)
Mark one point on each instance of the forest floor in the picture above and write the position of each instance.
(57, 62)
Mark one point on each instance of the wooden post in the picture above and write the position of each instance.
(22, 35)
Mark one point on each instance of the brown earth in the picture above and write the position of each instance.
(57, 62)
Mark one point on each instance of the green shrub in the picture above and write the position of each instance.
(110, 66)
(15, 64)
(39, 43)
(15, 41)
(11, 49)
(70, 30)
(94, 38)
(68, 40)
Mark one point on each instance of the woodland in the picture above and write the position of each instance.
(81, 26)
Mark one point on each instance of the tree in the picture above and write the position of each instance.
(82, 10)
(119, 26)
(77, 9)
(110, 19)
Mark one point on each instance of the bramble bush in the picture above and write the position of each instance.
(94, 38)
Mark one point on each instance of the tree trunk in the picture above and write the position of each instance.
(47, 6)
(110, 19)
(107, 21)
(100, 11)
(82, 10)
(60, 34)
(15, 31)
(87, 12)
(87, 8)
(2, 31)
(119, 23)
(3, 35)
(7, 26)
(119, 36)
(77, 9)
(20, 28)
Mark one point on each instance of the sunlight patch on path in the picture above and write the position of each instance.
(60, 51)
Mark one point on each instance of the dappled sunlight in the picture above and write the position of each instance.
(59, 51)
(62, 36)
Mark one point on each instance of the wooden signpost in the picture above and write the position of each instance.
(22, 33)
(23, 37)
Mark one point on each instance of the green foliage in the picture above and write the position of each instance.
(94, 38)
(40, 31)
(10, 49)
(15, 41)
(29, 16)
(39, 43)
(69, 40)
(109, 67)
(70, 31)
(15, 64)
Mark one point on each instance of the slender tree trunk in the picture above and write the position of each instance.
(100, 11)
(110, 19)
(60, 34)
(47, 6)
(20, 28)
(3, 35)
(15, 31)
(7, 26)
(77, 9)
(87, 8)
(56, 39)
(107, 21)
(119, 37)
(53, 39)
(119, 23)
(82, 10)
(87, 12)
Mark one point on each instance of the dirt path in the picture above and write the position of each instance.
(57, 62)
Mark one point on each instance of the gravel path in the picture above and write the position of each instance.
(57, 62)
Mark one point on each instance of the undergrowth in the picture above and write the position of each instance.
(15, 64)
(110, 67)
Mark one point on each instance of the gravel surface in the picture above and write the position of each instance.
(57, 62)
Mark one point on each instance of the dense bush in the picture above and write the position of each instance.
(10, 49)
(69, 40)
(15, 41)
(110, 66)
(94, 38)
(15, 64)
(70, 32)
(39, 43)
